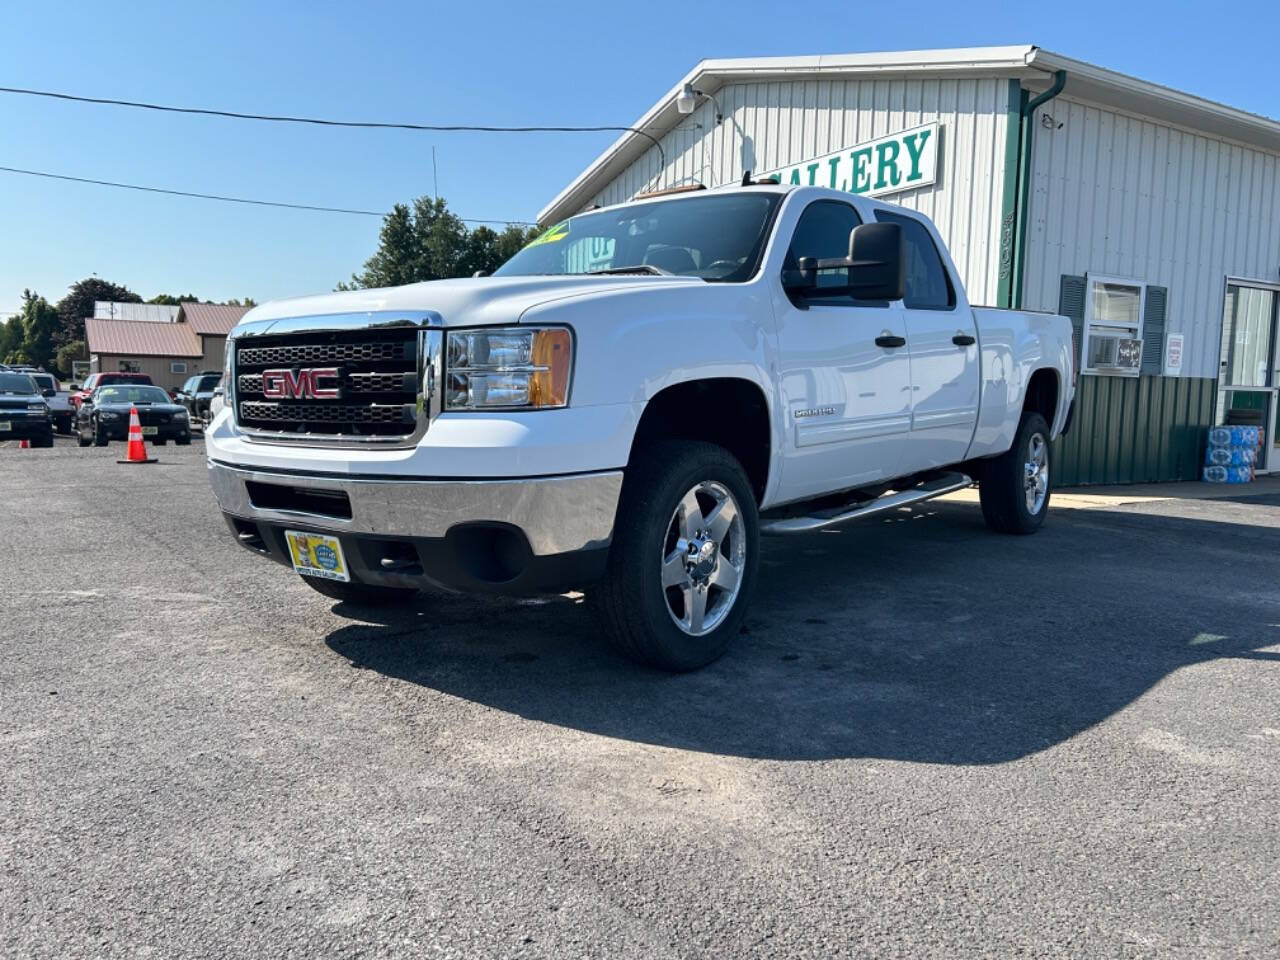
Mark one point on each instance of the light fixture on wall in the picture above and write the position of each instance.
(687, 101)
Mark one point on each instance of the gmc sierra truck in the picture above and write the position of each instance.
(629, 403)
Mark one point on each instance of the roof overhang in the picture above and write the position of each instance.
(1032, 65)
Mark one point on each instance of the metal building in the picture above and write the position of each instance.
(1149, 216)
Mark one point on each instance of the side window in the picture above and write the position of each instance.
(928, 286)
(823, 232)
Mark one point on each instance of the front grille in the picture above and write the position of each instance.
(377, 381)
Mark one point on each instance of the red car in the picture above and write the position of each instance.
(96, 380)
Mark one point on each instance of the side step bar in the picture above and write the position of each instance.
(947, 483)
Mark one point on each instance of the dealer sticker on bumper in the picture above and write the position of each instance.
(315, 555)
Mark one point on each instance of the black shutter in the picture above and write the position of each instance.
(1071, 292)
(1153, 330)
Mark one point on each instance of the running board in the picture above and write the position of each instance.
(948, 483)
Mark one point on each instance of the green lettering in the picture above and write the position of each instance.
(835, 165)
(795, 176)
(813, 173)
(861, 175)
(887, 160)
(914, 150)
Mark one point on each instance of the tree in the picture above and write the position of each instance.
(78, 304)
(66, 356)
(11, 339)
(424, 241)
(169, 300)
(36, 324)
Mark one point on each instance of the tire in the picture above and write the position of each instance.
(184, 441)
(360, 594)
(667, 480)
(82, 440)
(1014, 501)
(99, 437)
(43, 441)
(159, 442)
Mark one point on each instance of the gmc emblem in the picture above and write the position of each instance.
(302, 384)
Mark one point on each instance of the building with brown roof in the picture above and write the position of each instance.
(168, 352)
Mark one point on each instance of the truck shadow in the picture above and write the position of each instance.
(922, 637)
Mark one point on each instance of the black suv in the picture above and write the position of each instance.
(24, 412)
(197, 393)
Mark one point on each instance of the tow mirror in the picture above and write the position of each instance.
(875, 268)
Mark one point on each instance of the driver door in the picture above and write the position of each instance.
(845, 371)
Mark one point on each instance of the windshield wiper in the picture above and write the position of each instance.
(637, 268)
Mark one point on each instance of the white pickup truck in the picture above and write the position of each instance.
(627, 404)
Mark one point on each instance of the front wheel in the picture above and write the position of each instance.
(360, 594)
(684, 555)
(1015, 485)
(99, 436)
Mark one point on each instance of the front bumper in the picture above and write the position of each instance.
(516, 536)
(25, 428)
(119, 430)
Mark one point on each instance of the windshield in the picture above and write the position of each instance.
(717, 238)
(105, 378)
(45, 381)
(18, 383)
(209, 382)
(139, 394)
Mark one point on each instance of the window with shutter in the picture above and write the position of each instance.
(1153, 315)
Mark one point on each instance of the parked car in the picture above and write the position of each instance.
(105, 416)
(197, 393)
(96, 380)
(24, 411)
(628, 403)
(59, 400)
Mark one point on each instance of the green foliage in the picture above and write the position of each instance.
(28, 336)
(67, 354)
(424, 241)
(169, 300)
(78, 304)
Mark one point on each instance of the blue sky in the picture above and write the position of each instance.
(483, 62)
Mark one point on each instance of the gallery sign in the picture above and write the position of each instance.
(900, 161)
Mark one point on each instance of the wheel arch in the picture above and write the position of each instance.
(731, 412)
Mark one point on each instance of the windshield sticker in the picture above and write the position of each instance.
(554, 235)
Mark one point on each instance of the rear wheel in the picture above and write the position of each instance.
(81, 439)
(1015, 486)
(683, 559)
(360, 594)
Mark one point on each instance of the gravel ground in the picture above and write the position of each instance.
(933, 741)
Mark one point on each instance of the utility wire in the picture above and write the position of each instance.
(363, 124)
(214, 196)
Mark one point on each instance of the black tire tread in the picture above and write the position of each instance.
(616, 599)
(1001, 490)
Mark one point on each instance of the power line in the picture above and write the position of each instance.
(224, 199)
(362, 124)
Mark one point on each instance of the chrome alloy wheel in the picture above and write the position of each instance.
(1035, 473)
(704, 558)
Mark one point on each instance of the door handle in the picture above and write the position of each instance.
(963, 340)
(889, 340)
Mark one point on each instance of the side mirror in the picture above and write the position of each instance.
(74, 387)
(49, 393)
(219, 392)
(875, 268)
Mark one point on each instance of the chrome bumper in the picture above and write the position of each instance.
(557, 514)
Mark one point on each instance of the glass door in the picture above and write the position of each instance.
(1249, 369)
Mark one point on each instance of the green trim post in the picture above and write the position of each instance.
(1009, 203)
(1024, 181)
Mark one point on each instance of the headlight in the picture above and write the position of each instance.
(108, 415)
(38, 407)
(180, 415)
(508, 367)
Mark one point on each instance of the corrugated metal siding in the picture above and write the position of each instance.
(1135, 430)
(1129, 197)
(769, 125)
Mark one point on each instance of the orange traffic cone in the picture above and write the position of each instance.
(24, 444)
(137, 452)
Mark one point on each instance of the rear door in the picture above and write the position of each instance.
(943, 341)
(845, 374)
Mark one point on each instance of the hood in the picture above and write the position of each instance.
(473, 301)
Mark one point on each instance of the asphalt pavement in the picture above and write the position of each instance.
(931, 741)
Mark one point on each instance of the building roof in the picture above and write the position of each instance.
(144, 312)
(1033, 65)
(211, 319)
(142, 338)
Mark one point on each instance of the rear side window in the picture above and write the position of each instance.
(928, 286)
